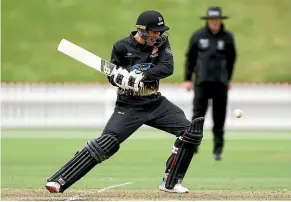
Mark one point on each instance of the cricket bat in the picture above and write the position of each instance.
(82, 55)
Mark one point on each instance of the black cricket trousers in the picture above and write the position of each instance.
(131, 113)
(218, 93)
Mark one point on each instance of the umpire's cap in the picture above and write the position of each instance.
(151, 20)
(214, 13)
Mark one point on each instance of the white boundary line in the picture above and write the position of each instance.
(113, 186)
(73, 198)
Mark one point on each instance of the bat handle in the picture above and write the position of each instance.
(114, 71)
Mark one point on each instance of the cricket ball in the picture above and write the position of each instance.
(238, 113)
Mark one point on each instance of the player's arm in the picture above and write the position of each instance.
(165, 66)
(117, 58)
(121, 77)
(191, 57)
(231, 56)
(118, 54)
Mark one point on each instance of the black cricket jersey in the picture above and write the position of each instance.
(156, 62)
(210, 56)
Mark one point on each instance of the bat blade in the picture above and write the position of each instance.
(82, 55)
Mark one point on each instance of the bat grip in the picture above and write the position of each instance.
(114, 71)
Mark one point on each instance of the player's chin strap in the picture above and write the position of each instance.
(159, 41)
(182, 153)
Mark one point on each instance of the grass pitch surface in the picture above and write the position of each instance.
(256, 167)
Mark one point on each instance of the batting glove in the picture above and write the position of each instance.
(135, 80)
(120, 78)
(125, 80)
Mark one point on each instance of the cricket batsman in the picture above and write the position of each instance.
(143, 59)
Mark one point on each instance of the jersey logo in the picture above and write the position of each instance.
(128, 55)
(169, 51)
(204, 43)
(154, 52)
(220, 45)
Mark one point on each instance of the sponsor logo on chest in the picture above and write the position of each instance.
(154, 52)
(220, 45)
(204, 43)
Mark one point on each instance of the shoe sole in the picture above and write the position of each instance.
(173, 192)
(51, 189)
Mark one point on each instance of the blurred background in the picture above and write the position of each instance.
(43, 89)
(32, 29)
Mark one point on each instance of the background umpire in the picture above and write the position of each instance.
(211, 55)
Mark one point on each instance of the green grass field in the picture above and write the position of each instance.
(254, 160)
(32, 29)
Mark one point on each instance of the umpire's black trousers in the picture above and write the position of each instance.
(217, 92)
(131, 113)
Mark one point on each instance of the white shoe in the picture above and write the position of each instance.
(217, 157)
(178, 188)
(53, 187)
